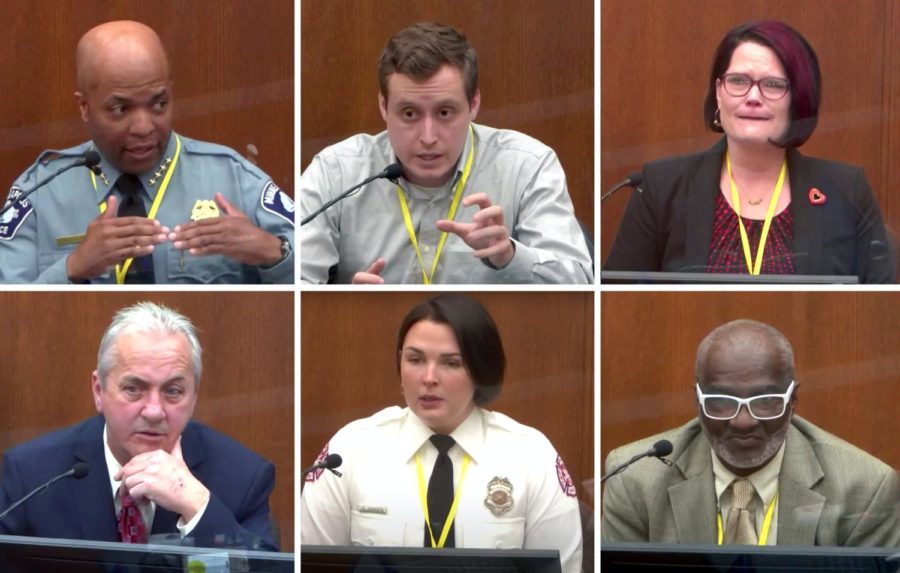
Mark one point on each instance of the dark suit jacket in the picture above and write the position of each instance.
(829, 492)
(667, 225)
(239, 481)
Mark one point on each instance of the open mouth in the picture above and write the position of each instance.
(140, 151)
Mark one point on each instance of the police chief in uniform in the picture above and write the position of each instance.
(159, 207)
(445, 472)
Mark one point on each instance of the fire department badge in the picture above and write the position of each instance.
(499, 496)
(316, 473)
(204, 209)
(565, 480)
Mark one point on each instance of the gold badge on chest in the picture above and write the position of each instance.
(204, 209)
(499, 496)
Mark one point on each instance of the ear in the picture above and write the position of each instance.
(382, 106)
(82, 105)
(474, 105)
(97, 391)
(719, 93)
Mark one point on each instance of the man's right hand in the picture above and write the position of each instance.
(371, 275)
(110, 240)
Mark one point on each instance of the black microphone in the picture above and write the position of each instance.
(89, 159)
(633, 180)
(659, 449)
(391, 173)
(330, 462)
(78, 471)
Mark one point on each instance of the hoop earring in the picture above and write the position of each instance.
(717, 119)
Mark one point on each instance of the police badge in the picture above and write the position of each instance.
(499, 496)
(204, 209)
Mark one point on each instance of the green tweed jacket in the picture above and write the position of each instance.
(829, 492)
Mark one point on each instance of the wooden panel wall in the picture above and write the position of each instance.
(349, 367)
(655, 63)
(535, 72)
(50, 343)
(846, 349)
(232, 64)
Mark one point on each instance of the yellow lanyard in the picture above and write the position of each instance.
(766, 526)
(457, 195)
(423, 497)
(122, 270)
(736, 204)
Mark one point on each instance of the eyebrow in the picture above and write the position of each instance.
(159, 94)
(771, 389)
(443, 354)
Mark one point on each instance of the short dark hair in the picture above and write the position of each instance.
(420, 50)
(476, 334)
(800, 63)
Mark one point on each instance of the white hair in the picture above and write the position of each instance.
(146, 318)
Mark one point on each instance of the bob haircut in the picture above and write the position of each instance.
(476, 334)
(800, 63)
(422, 49)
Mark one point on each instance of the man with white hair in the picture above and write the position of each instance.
(153, 473)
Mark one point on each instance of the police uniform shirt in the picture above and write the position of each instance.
(517, 172)
(39, 233)
(516, 492)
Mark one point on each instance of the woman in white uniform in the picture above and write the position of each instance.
(482, 479)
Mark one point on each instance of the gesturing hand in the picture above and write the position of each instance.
(486, 234)
(231, 234)
(110, 240)
(370, 276)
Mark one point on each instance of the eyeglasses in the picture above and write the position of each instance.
(762, 407)
(770, 88)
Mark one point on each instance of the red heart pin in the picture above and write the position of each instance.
(816, 197)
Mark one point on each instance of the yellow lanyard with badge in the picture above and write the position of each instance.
(122, 269)
(457, 195)
(423, 497)
(754, 268)
(766, 526)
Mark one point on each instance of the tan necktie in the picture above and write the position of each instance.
(739, 530)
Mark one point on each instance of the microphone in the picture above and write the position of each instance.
(633, 180)
(330, 462)
(78, 471)
(659, 449)
(391, 173)
(89, 159)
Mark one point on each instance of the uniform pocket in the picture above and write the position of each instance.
(369, 530)
(508, 533)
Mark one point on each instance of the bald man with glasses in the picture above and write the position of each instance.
(747, 470)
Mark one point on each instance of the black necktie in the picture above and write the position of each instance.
(141, 269)
(440, 491)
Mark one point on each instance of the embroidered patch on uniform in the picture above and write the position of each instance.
(372, 509)
(565, 480)
(13, 219)
(204, 209)
(317, 473)
(499, 495)
(277, 202)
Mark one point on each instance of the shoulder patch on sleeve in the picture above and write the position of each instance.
(565, 480)
(317, 473)
(277, 202)
(13, 219)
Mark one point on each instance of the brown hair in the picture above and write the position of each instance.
(420, 50)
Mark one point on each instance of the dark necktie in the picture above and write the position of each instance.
(141, 269)
(131, 523)
(440, 491)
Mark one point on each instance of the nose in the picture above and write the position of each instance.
(141, 124)
(744, 421)
(431, 377)
(153, 408)
(428, 132)
(754, 96)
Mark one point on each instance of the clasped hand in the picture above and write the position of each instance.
(164, 478)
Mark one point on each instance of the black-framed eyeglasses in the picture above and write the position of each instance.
(762, 407)
(740, 84)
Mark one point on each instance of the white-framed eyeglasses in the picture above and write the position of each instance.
(762, 407)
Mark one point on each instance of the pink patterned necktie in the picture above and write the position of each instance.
(131, 523)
